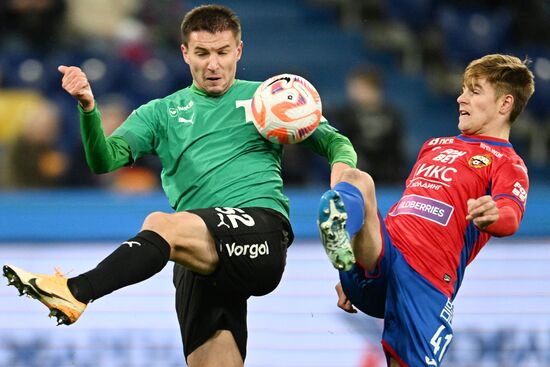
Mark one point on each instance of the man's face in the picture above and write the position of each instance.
(479, 109)
(364, 94)
(212, 59)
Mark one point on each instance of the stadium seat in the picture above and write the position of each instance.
(24, 70)
(13, 105)
(472, 32)
(416, 14)
(539, 104)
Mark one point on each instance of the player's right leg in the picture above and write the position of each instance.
(349, 223)
(417, 315)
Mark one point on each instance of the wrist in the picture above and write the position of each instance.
(87, 106)
(90, 109)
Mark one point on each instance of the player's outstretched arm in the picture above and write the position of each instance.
(102, 154)
(76, 84)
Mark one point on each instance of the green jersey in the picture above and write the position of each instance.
(211, 153)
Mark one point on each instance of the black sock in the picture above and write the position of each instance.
(134, 261)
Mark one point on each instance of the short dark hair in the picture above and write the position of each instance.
(210, 18)
(367, 74)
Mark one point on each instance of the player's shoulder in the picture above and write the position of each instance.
(510, 158)
(247, 83)
(500, 151)
(163, 103)
(246, 86)
(443, 140)
(176, 97)
(436, 143)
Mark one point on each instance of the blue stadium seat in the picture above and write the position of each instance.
(539, 104)
(417, 14)
(24, 70)
(158, 76)
(473, 32)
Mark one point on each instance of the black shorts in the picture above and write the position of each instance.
(251, 245)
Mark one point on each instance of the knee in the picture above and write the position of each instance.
(362, 180)
(157, 222)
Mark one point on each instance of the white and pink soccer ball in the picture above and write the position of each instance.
(286, 109)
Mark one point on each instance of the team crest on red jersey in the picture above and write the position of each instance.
(480, 161)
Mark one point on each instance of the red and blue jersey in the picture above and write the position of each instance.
(428, 224)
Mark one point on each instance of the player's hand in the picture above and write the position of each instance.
(483, 211)
(76, 84)
(343, 302)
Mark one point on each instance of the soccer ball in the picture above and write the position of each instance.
(286, 109)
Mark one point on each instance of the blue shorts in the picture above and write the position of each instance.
(417, 316)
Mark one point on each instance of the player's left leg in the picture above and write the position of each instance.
(212, 322)
(418, 316)
(251, 246)
(221, 347)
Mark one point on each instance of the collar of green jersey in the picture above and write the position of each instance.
(203, 93)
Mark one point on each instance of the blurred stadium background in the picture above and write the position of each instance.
(54, 213)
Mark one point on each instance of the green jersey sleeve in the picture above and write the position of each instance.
(329, 143)
(102, 154)
(141, 130)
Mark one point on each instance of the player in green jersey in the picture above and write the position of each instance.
(229, 234)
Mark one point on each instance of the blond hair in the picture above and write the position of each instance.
(508, 74)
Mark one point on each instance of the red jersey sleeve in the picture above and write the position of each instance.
(510, 180)
(510, 216)
(510, 183)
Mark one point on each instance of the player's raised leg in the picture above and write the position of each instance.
(182, 237)
(51, 290)
(348, 222)
(332, 218)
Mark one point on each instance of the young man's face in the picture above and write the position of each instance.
(212, 59)
(479, 109)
